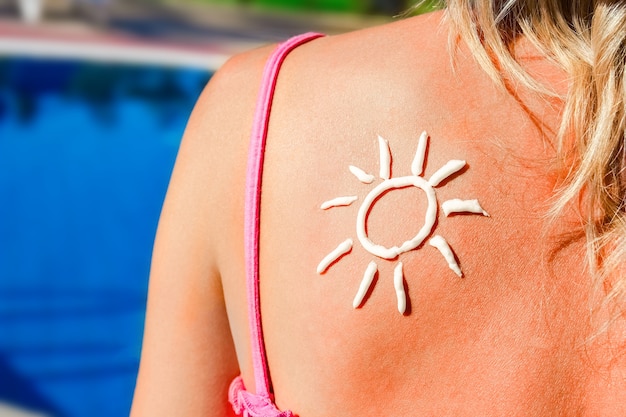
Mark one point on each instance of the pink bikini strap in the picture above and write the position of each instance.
(253, 205)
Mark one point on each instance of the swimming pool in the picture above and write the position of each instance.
(86, 150)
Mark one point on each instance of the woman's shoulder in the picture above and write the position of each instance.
(325, 77)
(424, 35)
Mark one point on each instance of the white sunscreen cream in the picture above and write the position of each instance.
(366, 282)
(417, 167)
(343, 248)
(361, 175)
(385, 158)
(430, 217)
(450, 168)
(462, 206)
(398, 284)
(339, 201)
(441, 244)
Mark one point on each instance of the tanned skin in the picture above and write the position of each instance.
(513, 337)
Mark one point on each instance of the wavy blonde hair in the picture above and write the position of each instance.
(587, 39)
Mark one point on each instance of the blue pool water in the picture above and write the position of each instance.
(86, 151)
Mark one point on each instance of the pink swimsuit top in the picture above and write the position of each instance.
(244, 402)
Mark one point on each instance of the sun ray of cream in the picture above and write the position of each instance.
(398, 284)
(417, 167)
(462, 206)
(366, 282)
(441, 244)
(445, 171)
(339, 201)
(343, 248)
(385, 158)
(361, 175)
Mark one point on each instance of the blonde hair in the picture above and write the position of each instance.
(587, 39)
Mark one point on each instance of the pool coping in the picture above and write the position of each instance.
(56, 42)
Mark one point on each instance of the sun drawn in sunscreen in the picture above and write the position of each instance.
(415, 180)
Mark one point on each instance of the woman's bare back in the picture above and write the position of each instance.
(509, 338)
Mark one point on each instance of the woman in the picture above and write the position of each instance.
(530, 95)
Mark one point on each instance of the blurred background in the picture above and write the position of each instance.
(94, 97)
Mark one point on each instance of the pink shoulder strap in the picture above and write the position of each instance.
(253, 203)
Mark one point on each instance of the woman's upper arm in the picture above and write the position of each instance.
(188, 356)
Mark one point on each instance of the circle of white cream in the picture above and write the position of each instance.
(391, 184)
